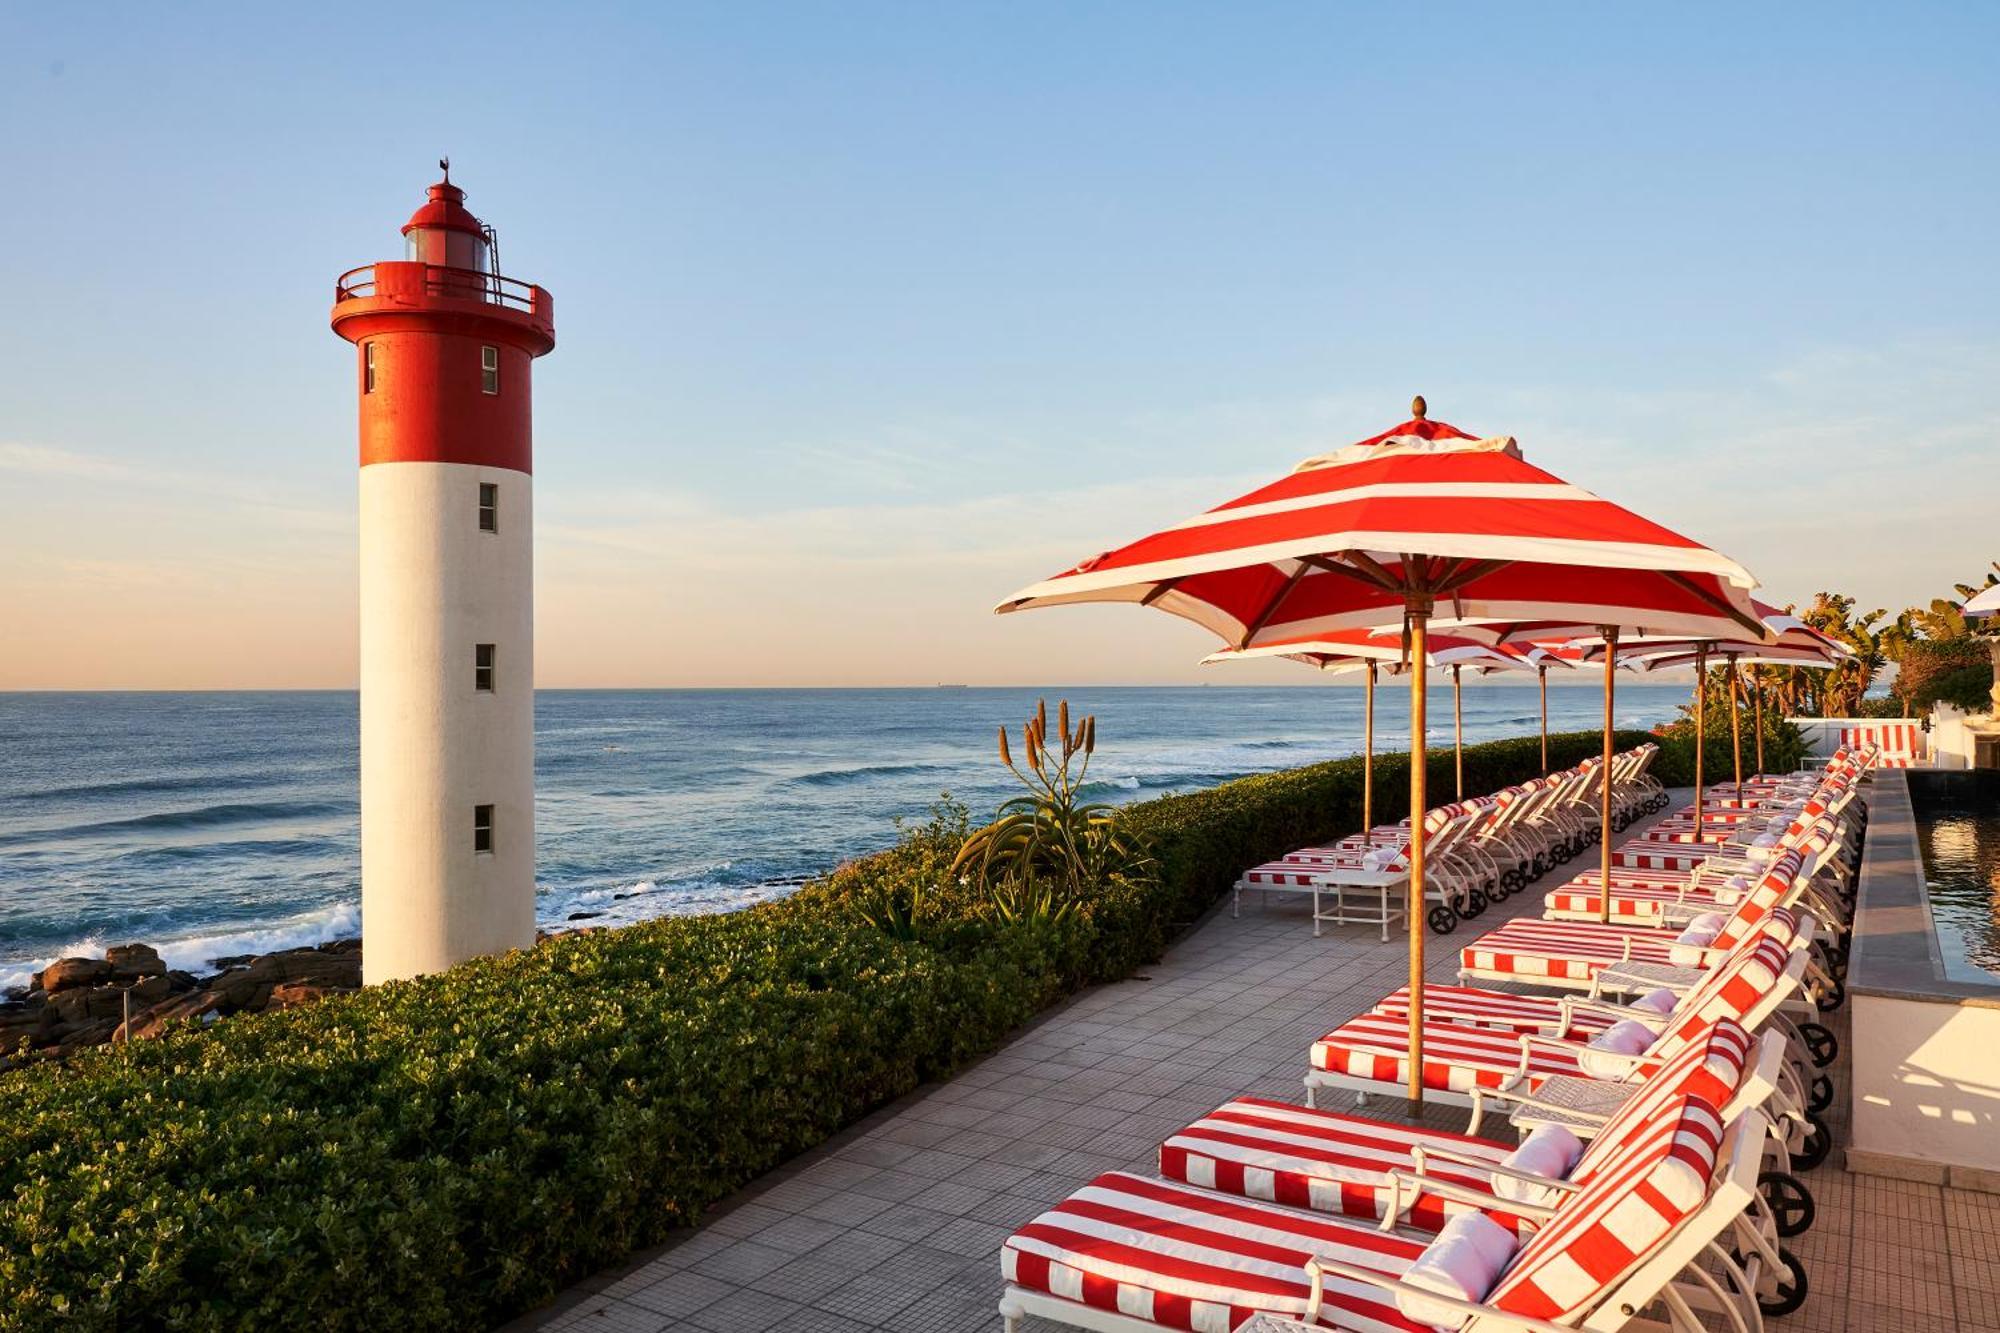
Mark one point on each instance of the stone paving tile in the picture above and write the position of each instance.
(897, 1225)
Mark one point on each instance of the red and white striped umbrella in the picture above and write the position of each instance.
(1787, 639)
(1421, 520)
(1422, 514)
(1361, 650)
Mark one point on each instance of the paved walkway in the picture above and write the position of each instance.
(897, 1223)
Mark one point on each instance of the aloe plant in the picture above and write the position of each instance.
(894, 914)
(1050, 837)
(1026, 905)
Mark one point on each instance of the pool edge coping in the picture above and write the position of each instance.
(1892, 915)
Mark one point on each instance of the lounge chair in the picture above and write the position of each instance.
(1568, 954)
(1333, 1162)
(1127, 1254)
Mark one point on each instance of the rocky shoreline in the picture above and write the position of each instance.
(76, 1003)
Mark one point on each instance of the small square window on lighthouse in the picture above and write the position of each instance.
(489, 370)
(482, 667)
(489, 506)
(482, 828)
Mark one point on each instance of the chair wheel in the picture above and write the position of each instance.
(1791, 1287)
(1791, 1203)
(1835, 997)
(1818, 1143)
(1442, 919)
(1820, 1095)
(1820, 1042)
(1541, 867)
(1475, 903)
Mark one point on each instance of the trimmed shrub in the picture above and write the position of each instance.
(447, 1152)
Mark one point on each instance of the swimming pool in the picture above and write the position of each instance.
(1958, 830)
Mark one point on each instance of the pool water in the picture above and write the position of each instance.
(1958, 827)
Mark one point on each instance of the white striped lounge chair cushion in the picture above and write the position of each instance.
(1321, 1160)
(1458, 1057)
(1191, 1259)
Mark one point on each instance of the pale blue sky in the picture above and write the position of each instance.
(870, 314)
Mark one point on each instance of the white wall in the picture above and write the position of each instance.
(432, 586)
(1926, 1081)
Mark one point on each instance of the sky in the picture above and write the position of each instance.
(870, 314)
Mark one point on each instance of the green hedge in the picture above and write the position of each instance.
(444, 1153)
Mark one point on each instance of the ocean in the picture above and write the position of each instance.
(227, 823)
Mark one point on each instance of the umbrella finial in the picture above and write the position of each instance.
(1418, 407)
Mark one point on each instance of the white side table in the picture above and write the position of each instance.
(1270, 1323)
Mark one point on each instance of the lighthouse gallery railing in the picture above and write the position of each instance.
(465, 283)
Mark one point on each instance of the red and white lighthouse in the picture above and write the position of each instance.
(445, 349)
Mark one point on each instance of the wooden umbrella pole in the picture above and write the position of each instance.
(1700, 723)
(1735, 731)
(1543, 672)
(1457, 739)
(1757, 693)
(1368, 763)
(1419, 616)
(1604, 777)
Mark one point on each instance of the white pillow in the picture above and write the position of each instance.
(1659, 1002)
(1690, 947)
(1465, 1261)
(1550, 1152)
(1731, 890)
(1628, 1036)
(1708, 921)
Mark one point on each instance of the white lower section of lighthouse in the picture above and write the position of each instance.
(436, 747)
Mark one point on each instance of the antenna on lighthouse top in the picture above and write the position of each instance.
(445, 164)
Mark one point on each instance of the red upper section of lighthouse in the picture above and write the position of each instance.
(446, 211)
(445, 344)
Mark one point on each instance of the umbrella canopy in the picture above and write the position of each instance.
(1785, 639)
(1359, 650)
(1986, 603)
(1422, 519)
(1794, 643)
(1426, 512)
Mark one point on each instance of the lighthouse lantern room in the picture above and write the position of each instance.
(445, 345)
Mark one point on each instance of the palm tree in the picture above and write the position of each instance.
(1875, 645)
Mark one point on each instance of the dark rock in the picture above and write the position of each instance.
(586, 916)
(290, 994)
(151, 991)
(233, 960)
(131, 961)
(34, 1023)
(87, 1006)
(233, 989)
(338, 970)
(196, 1005)
(182, 982)
(65, 973)
(81, 1036)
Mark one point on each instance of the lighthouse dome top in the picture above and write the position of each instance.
(443, 231)
(445, 210)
